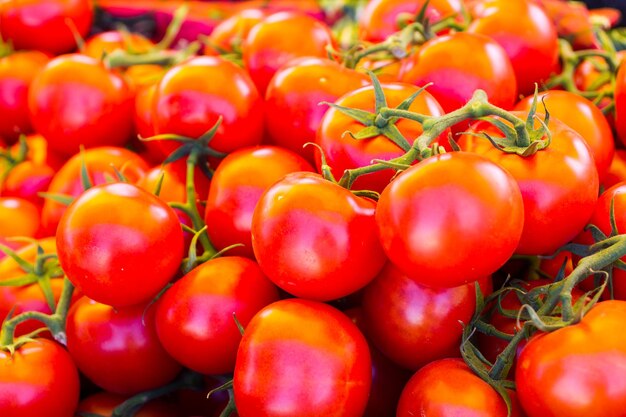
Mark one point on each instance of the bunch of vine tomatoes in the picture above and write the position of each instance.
(296, 208)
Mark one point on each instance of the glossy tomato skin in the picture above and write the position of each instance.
(584, 117)
(198, 309)
(18, 218)
(575, 371)
(315, 239)
(293, 109)
(457, 65)
(344, 152)
(527, 35)
(40, 379)
(17, 72)
(559, 184)
(103, 404)
(229, 34)
(280, 37)
(191, 96)
(236, 187)
(44, 25)
(76, 101)
(304, 358)
(118, 348)
(119, 244)
(26, 180)
(437, 219)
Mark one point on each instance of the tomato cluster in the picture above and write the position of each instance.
(352, 208)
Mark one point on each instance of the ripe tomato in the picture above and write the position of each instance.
(620, 103)
(18, 217)
(576, 371)
(26, 180)
(104, 43)
(344, 152)
(308, 342)
(237, 185)
(229, 34)
(45, 25)
(559, 184)
(103, 404)
(199, 309)
(76, 101)
(119, 244)
(279, 38)
(478, 210)
(315, 239)
(39, 379)
(17, 71)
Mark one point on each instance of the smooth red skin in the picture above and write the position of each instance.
(103, 404)
(302, 358)
(106, 42)
(448, 387)
(279, 38)
(315, 239)
(143, 115)
(412, 324)
(18, 218)
(584, 117)
(26, 180)
(236, 188)
(101, 164)
(118, 348)
(344, 152)
(617, 170)
(76, 101)
(576, 371)
(43, 24)
(119, 244)
(191, 96)
(230, 32)
(619, 96)
(559, 185)
(457, 65)
(528, 36)
(17, 72)
(379, 18)
(293, 109)
(198, 309)
(39, 379)
(478, 210)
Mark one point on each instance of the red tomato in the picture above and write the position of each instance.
(191, 96)
(76, 101)
(585, 118)
(344, 152)
(478, 210)
(315, 239)
(199, 309)
(292, 102)
(237, 185)
(460, 63)
(229, 34)
(45, 25)
(526, 33)
(103, 404)
(280, 37)
(39, 379)
(576, 371)
(119, 244)
(559, 184)
(26, 180)
(619, 96)
(17, 72)
(18, 217)
(143, 115)
(302, 358)
(617, 170)
(104, 43)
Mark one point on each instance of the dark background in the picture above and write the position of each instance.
(618, 4)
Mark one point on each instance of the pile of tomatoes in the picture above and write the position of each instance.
(312, 208)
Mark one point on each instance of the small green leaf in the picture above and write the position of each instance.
(364, 117)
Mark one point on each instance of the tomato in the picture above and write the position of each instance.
(279, 38)
(76, 101)
(305, 341)
(380, 18)
(26, 180)
(45, 25)
(39, 379)
(292, 103)
(104, 43)
(18, 217)
(228, 35)
(576, 371)
(191, 96)
(199, 309)
(527, 35)
(17, 72)
(478, 210)
(448, 387)
(315, 239)
(143, 114)
(457, 65)
(619, 96)
(103, 404)
(559, 184)
(119, 244)
(617, 170)
(237, 185)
